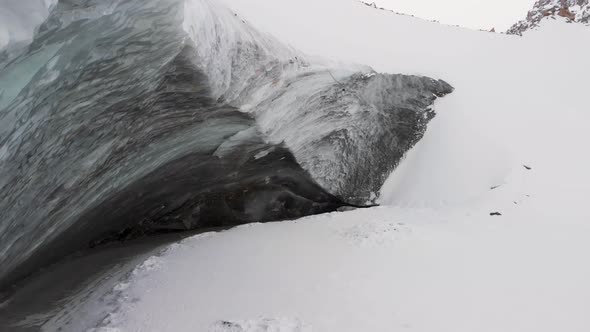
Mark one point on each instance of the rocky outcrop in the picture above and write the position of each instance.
(129, 117)
(572, 10)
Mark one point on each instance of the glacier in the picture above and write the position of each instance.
(123, 118)
(431, 257)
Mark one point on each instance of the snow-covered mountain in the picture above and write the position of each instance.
(571, 10)
(483, 225)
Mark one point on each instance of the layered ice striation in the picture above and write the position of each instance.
(127, 116)
(350, 132)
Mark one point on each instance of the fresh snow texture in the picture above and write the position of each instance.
(385, 269)
(510, 141)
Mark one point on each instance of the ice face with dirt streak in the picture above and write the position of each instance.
(124, 117)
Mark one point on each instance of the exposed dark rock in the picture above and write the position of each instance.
(573, 10)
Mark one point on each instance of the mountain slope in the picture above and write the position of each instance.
(572, 10)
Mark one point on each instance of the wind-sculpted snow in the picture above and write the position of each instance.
(124, 117)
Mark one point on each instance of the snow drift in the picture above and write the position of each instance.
(128, 117)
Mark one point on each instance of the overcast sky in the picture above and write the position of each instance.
(478, 14)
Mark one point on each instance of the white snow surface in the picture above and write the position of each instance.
(432, 258)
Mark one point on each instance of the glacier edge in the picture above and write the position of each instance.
(171, 115)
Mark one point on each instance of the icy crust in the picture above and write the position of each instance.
(104, 305)
(99, 306)
(572, 10)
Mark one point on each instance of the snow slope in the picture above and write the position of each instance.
(433, 259)
(386, 269)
